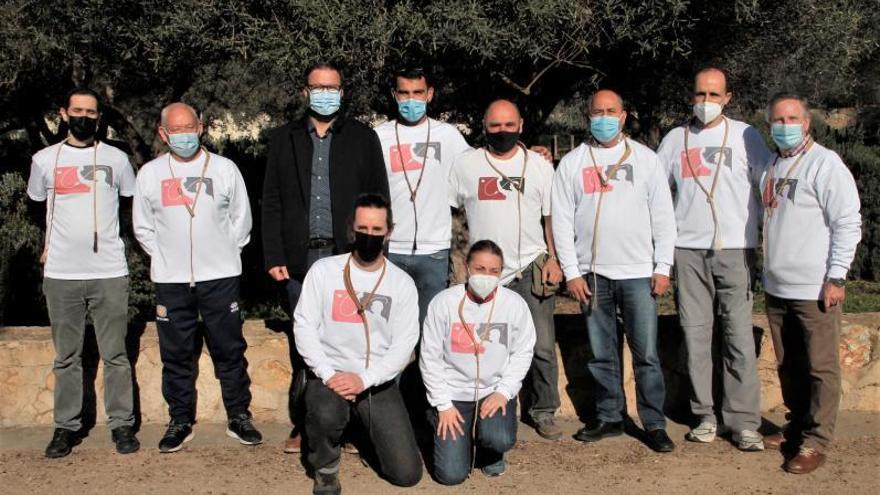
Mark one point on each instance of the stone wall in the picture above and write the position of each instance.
(27, 383)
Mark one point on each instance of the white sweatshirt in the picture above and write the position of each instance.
(77, 205)
(813, 231)
(434, 216)
(490, 204)
(636, 224)
(448, 363)
(220, 229)
(329, 333)
(737, 199)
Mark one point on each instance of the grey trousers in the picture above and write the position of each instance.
(107, 302)
(541, 381)
(709, 280)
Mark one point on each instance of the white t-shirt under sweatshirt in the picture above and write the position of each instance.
(220, 229)
(447, 360)
(330, 335)
(636, 224)
(77, 203)
(405, 160)
(815, 226)
(737, 199)
(490, 204)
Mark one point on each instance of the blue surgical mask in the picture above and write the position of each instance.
(604, 128)
(787, 135)
(412, 110)
(184, 144)
(324, 102)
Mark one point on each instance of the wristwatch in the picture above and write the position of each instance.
(837, 282)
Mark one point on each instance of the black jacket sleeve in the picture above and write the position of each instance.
(273, 245)
(378, 177)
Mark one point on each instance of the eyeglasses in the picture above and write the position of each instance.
(182, 128)
(316, 88)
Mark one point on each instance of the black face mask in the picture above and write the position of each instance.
(83, 128)
(503, 141)
(368, 247)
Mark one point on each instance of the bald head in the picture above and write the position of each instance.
(178, 112)
(710, 85)
(502, 115)
(605, 102)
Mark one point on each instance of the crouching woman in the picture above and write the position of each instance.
(477, 345)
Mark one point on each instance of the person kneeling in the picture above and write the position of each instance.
(477, 345)
(356, 325)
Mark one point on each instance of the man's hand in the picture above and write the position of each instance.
(543, 151)
(492, 404)
(659, 284)
(279, 273)
(577, 287)
(347, 385)
(449, 421)
(551, 273)
(833, 295)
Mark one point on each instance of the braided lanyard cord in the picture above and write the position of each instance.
(520, 190)
(191, 209)
(413, 191)
(603, 181)
(472, 333)
(771, 192)
(710, 193)
(51, 210)
(361, 310)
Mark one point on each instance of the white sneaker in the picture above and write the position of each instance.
(748, 441)
(704, 432)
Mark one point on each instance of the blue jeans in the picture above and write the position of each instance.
(639, 311)
(430, 272)
(495, 436)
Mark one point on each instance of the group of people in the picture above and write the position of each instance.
(357, 226)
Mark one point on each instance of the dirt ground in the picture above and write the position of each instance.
(214, 464)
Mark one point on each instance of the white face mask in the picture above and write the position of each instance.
(707, 111)
(482, 285)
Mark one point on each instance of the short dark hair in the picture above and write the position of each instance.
(410, 72)
(788, 95)
(321, 65)
(484, 245)
(373, 200)
(83, 91)
(727, 83)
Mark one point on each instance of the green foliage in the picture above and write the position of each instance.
(17, 233)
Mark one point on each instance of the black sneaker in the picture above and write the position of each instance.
(178, 432)
(242, 428)
(601, 430)
(327, 484)
(659, 441)
(125, 441)
(62, 443)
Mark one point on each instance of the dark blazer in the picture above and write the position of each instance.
(356, 166)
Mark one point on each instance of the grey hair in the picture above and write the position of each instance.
(805, 105)
(590, 99)
(163, 116)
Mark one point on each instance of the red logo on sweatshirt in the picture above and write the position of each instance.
(592, 181)
(67, 181)
(488, 190)
(462, 341)
(402, 158)
(344, 309)
(172, 193)
(695, 155)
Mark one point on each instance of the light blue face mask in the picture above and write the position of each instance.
(412, 110)
(184, 144)
(325, 102)
(787, 135)
(604, 128)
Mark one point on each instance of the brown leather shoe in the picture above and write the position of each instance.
(293, 444)
(807, 461)
(774, 441)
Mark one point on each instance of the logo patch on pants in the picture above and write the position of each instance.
(233, 307)
(161, 313)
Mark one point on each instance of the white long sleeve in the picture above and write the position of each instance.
(240, 211)
(142, 219)
(329, 334)
(447, 360)
(662, 213)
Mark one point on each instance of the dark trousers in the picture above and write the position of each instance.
(382, 416)
(177, 317)
(806, 336)
(494, 436)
